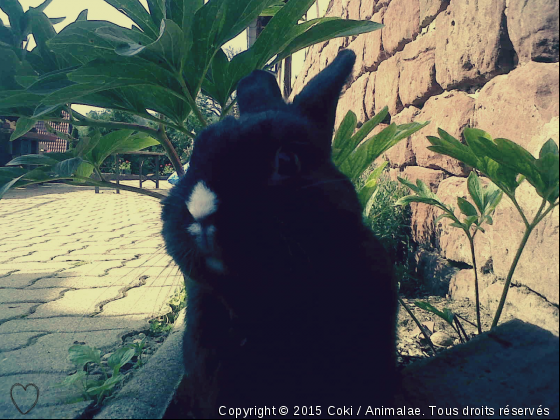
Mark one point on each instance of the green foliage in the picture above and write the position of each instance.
(507, 165)
(353, 156)
(173, 57)
(88, 360)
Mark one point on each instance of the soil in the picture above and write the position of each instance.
(411, 344)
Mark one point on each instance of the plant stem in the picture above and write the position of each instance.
(405, 306)
(84, 121)
(170, 150)
(512, 269)
(191, 101)
(226, 110)
(477, 297)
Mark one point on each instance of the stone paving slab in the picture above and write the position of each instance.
(75, 267)
(52, 400)
(37, 356)
(15, 310)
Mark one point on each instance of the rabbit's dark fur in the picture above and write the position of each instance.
(290, 298)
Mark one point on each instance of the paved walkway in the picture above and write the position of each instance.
(75, 267)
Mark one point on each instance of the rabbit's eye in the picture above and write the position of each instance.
(287, 163)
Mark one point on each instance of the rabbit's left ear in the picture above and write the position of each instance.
(258, 92)
(318, 100)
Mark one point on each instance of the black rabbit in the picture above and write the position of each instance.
(290, 298)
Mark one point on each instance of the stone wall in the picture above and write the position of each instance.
(490, 64)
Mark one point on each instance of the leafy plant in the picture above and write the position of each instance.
(507, 165)
(353, 156)
(486, 200)
(173, 54)
(88, 359)
(78, 164)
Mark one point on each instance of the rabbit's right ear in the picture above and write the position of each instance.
(258, 92)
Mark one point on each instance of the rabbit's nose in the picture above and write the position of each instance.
(204, 237)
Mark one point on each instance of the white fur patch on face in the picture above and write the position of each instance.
(202, 201)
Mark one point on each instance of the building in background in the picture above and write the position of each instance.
(37, 141)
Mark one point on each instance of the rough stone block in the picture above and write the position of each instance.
(417, 80)
(516, 106)
(463, 56)
(369, 101)
(451, 111)
(353, 99)
(533, 29)
(401, 154)
(387, 86)
(374, 53)
(429, 9)
(402, 24)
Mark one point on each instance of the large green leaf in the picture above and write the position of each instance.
(182, 12)
(156, 8)
(120, 141)
(138, 71)
(51, 82)
(475, 190)
(18, 98)
(43, 31)
(366, 192)
(324, 29)
(22, 127)
(68, 167)
(466, 208)
(87, 144)
(32, 160)
(15, 13)
(343, 134)
(138, 14)
(358, 161)
(171, 46)
(80, 41)
(356, 139)
(4, 188)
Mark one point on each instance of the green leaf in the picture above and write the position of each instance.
(323, 29)
(80, 42)
(470, 220)
(466, 208)
(409, 184)
(73, 379)
(549, 147)
(492, 197)
(15, 13)
(110, 74)
(8, 185)
(120, 358)
(120, 141)
(22, 127)
(87, 144)
(156, 9)
(68, 167)
(108, 385)
(32, 160)
(475, 190)
(357, 162)
(345, 129)
(349, 146)
(80, 355)
(172, 44)
(18, 98)
(138, 14)
(370, 186)
(430, 308)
